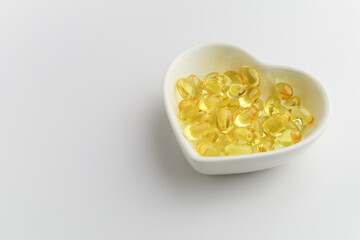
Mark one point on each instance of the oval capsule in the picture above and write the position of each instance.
(189, 87)
(249, 76)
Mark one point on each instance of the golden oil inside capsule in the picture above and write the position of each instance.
(273, 125)
(269, 103)
(259, 104)
(222, 141)
(234, 76)
(233, 105)
(283, 90)
(188, 110)
(277, 109)
(301, 113)
(292, 102)
(244, 134)
(209, 149)
(249, 97)
(236, 149)
(266, 144)
(234, 90)
(223, 79)
(209, 102)
(289, 137)
(250, 76)
(224, 119)
(245, 116)
(210, 77)
(196, 130)
(299, 124)
(189, 87)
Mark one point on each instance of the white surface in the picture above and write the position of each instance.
(206, 58)
(86, 148)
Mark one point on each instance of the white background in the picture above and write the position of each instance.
(86, 150)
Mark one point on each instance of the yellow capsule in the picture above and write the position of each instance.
(283, 90)
(210, 77)
(250, 76)
(234, 76)
(222, 141)
(188, 110)
(208, 103)
(292, 102)
(274, 125)
(289, 137)
(196, 130)
(259, 104)
(210, 83)
(249, 97)
(236, 149)
(244, 134)
(291, 124)
(266, 144)
(269, 102)
(233, 105)
(209, 149)
(234, 90)
(189, 87)
(299, 124)
(277, 109)
(224, 119)
(223, 79)
(245, 116)
(201, 117)
(303, 114)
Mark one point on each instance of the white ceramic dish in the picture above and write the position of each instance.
(207, 58)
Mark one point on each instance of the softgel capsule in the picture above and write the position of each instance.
(223, 114)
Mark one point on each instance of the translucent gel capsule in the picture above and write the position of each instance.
(234, 90)
(273, 125)
(189, 87)
(299, 124)
(277, 109)
(222, 141)
(283, 90)
(250, 76)
(196, 130)
(245, 134)
(245, 116)
(234, 76)
(212, 87)
(201, 117)
(289, 137)
(209, 149)
(224, 119)
(301, 113)
(266, 144)
(235, 149)
(292, 102)
(209, 102)
(233, 105)
(210, 77)
(249, 97)
(188, 110)
(269, 102)
(222, 80)
(259, 104)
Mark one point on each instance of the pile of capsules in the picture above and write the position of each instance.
(223, 115)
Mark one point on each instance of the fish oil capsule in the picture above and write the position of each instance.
(209, 149)
(244, 134)
(269, 102)
(188, 110)
(234, 76)
(224, 119)
(234, 90)
(299, 124)
(189, 87)
(291, 124)
(196, 130)
(301, 113)
(222, 141)
(236, 149)
(233, 105)
(249, 97)
(289, 137)
(209, 102)
(274, 125)
(266, 144)
(250, 76)
(223, 79)
(245, 116)
(201, 117)
(259, 104)
(283, 90)
(279, 110)
(210, 83)
(292, 102)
